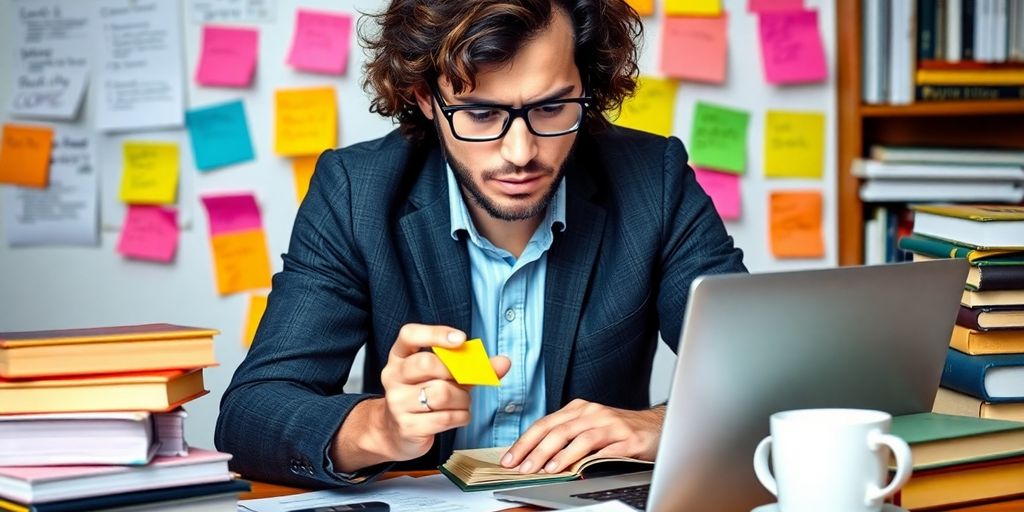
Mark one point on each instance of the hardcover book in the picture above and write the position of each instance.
(153, 391)
(935, 248)
(940, 440)
(962, 484)
(993, 378)
(480, 469)
(973, 342)
(991, 318)
(983, 226)
(948, 401)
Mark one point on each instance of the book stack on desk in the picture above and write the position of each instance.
(92, 419)
(984, 373)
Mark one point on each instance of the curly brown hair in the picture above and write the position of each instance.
(418, 41)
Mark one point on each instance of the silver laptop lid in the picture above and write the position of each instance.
(866, 337)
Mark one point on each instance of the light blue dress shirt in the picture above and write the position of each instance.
(508, 315)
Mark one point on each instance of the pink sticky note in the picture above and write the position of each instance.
(774, 5)
(694, 48)
(724, 189)
(321, 42)
(791, 49)
(228, 56)
(149, 233)
(232, 213)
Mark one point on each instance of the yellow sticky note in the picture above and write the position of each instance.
(651, 108)
(302, 168)
(257, 306)
(150, 172)
(642, 7)
(25, 155)
(693, 7)
(241, 261)
(469, 363)
(305, 121)
(794, 144)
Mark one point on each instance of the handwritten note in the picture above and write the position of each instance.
(791, 48)
(302, 169)
(321, 42)
(305, 121)
(228, 56)
(724, 189)
(695, 48)
(642, 7)
(246, 11)
(468, 363)
(257, 306)
(230, 213)
(241, 261)
(63, 213)
(794, 144)
(150, 172)
(51, 41)
(220, 135)
(693, 7)
(774, 5)
(651, 108)
(795, 224)
(149, 233)
(718, 138)
(139, 80)
(25, 155)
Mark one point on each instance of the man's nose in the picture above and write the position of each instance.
(519, 146)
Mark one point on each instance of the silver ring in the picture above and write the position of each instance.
(423, 399)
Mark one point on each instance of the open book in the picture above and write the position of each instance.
(481, 470)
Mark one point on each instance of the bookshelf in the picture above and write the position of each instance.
(993, 124)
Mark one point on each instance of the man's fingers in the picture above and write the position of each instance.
(443, 395)
(581, 446)
(423, 366)
(501, 365)
(535, 434)
(413, 337)
(557, 439)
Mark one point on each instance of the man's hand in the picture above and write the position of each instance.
(400, 426)
(559, 439)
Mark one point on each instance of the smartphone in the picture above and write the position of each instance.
(366, 506)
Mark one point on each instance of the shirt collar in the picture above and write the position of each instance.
(461, 221)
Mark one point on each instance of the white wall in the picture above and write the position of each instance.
(49, 288)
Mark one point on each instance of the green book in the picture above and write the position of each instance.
(936, 248)
(940, 440)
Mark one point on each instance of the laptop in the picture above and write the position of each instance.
(870, 337)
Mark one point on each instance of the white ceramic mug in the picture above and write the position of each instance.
(831, 459)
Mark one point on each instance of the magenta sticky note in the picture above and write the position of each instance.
(694, 48)
(791, 48)
(724, 189)
(321, 42)
(232, 213)
(228, 56)
(774, 5)
(149, 233)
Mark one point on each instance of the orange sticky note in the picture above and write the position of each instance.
(257, 306)
(694, 48)
(795, 224)
(305, 121)
(302, 168)
(642, 7)
(25, 155)
(469, 363)
(241, 261)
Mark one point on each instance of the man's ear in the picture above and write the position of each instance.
(425, 101)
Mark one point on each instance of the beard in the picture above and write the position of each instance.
(464, 177)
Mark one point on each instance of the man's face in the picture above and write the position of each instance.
(515, 177)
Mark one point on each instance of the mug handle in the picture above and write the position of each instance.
(904, 465)
(764, 474)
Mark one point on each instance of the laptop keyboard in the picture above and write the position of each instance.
(634, 496)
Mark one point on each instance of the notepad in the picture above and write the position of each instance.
(480, 470)
(469, 363)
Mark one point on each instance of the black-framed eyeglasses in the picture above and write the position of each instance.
(485, 122)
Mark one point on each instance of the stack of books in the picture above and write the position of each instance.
(92, 419)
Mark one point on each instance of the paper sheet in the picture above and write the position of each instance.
(724, 189)
(51, 58)
(244, 11)
(302, 169)
(651, 108)
(795, 224)
(228, 56)
(321, 42)
(718, 139)
(139, 79)
(149, 233)
(149, 173)
(305, 121)
(791, 47)
(25, 155)
(794, 144)
(469, 363)
(65, 212)
(219, 135)
(695, 48)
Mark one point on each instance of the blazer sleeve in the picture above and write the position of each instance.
(286, 401)
(694, 240)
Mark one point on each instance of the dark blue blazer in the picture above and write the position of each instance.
(371, 250)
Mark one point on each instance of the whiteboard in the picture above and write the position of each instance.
(63, 287)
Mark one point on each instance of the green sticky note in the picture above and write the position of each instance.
(794, 144)
(718, 139)
(469, 363)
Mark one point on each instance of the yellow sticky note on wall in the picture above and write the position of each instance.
(469, 363)
(150, 172)
(642, 7)
(302, 169)
(794, 144)
(693, 7)
(305, 121)
(241, 261)
(257, 306)
(651, 108)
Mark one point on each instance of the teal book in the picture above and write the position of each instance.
(936, 248)
(941, 440)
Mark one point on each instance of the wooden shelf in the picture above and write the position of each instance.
(945, 108)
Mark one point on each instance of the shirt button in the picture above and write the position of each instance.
(510, 314)
(510, 408)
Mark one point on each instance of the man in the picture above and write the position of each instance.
(507, 208)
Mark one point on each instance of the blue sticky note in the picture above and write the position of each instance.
(220, 135)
